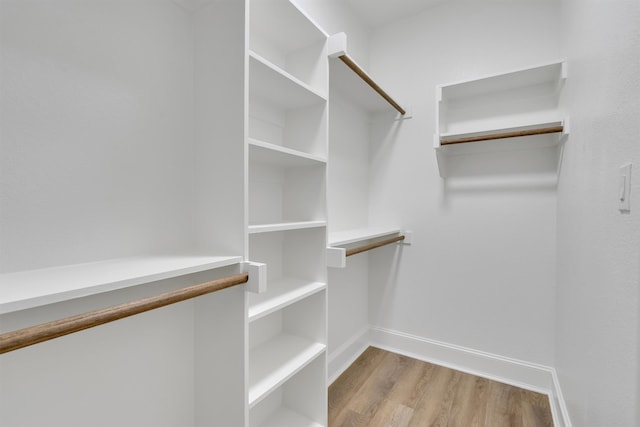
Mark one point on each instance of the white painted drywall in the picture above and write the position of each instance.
(97, 126)
(598, 313)
(481, 271)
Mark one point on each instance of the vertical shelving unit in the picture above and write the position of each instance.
(287, 223)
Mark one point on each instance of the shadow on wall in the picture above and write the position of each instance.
(384, 287)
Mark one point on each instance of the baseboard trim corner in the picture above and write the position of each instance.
(342, 357)
(530, 376)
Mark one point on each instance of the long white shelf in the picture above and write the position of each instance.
(281, 293)
(285, 417)
(34, 288)
(346, 237)
(274, 362)
(285, 226)
(266, 152)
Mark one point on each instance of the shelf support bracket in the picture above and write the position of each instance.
(257, 282)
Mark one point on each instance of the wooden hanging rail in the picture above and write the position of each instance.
(512, 134)
(370, 246)
(364, 76)
(46, 331)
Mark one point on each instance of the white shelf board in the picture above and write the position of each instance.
(346, 237)
(285, 226)
(270, 82)
(539, 75)
(34, 288)
(285, 417)
(265, 152)
(281, 293)
(274, 362)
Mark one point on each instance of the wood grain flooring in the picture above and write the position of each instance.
(387, 389)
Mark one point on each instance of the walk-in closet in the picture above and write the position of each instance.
(308, 213)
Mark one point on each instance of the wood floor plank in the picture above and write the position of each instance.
(349, 383)
(391, 390)
(375, 389)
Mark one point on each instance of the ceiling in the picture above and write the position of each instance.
(378, 12)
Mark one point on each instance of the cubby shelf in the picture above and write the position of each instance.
(285, 417)
(274, 362)
(265, 152)
(281, 293)
(268, 81)
(285, 226)
(28, 289)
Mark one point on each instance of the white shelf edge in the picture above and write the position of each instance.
(264, 61)
(285, 417)
(278, 360)
(286, 150)
(285, 226)
(281, 293)
(35, 288)
(347, 237)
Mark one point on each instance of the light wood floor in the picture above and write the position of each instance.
(386, 389)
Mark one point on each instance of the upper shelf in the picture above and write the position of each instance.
(359, 235)
(34, 288)
(298, 47)
(268, 81)
(519, 103)
(510, 111)
(349, 79)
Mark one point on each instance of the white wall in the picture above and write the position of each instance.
(481, 271)
(96, 97)
(598, 247)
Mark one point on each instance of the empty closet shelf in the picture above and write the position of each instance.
(286, 417)
(285, 226)
(15, 340)
(352, 242)
(34, 288)
(274, 362)
(281, 293)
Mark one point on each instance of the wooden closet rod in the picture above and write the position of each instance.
(370, 246)
(540, 131)
(46, 331)
(364, 76)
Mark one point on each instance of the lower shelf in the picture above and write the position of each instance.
(285, 417)
(274, 362)
(279, 294)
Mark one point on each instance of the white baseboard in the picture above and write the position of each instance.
(342, 357)
(515, 372)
